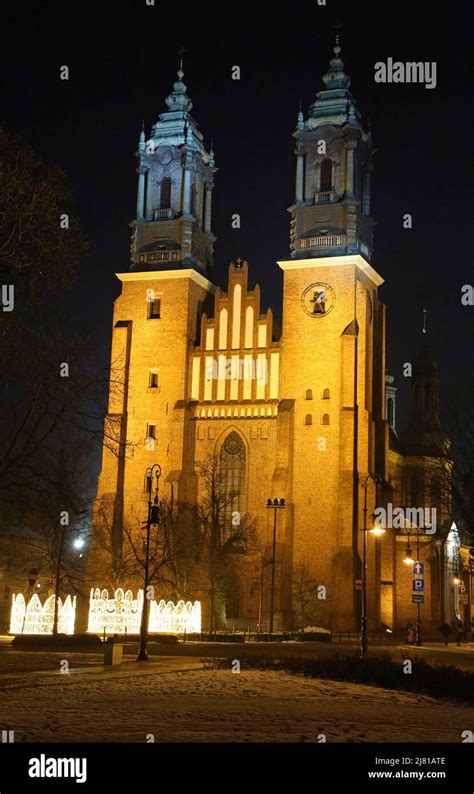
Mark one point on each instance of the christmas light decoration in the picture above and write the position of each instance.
(38, 618)
(122, 614)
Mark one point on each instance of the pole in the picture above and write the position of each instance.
(260, 600)
(363, 635)
(26, 608)
(142, 652)
(272, 601)
(418, 621)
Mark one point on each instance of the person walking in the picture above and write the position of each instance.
(459, 629)
(445, 630)
(410, 633)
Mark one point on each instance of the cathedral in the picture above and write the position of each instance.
(305, 416)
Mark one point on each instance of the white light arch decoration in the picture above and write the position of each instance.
(122, 614)
(38, 618)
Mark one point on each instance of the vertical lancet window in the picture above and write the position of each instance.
(232, 466)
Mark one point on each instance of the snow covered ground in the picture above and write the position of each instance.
(195, 704)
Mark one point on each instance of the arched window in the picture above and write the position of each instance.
(309, 394)
(326, 394)
(232, 469)
(326, 419)
(326, 175)
(165, 199)
(308, 420)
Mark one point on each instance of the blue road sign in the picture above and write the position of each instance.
(419, 568)
(418, 585)
(418, 598)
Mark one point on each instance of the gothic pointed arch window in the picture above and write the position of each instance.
(233, 462)
(326, 175)
(165, 195)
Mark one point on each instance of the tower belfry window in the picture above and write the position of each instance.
(326, 175)
(165, 199)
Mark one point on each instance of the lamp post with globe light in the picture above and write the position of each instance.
(153, 519)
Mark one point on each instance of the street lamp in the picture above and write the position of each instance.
(275, 504)
(364, 640)
(152, 520)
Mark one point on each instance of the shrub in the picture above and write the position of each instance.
(434, 680)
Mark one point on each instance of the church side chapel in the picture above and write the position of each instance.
(235, 415)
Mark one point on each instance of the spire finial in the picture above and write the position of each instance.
(181, 53)
(141, 140)
(338, 25)
(300, 117)
(425, 320)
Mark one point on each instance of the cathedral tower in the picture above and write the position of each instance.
(332, 347)
(156, 321)
(331, 213)
(175, 183)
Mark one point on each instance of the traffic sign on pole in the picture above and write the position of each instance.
(418, 598)
(418, 585)
(419, 568)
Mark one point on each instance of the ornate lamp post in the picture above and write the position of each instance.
(275, 504)
(364, 639)
(152, 520)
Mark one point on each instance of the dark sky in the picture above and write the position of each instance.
(122, 59)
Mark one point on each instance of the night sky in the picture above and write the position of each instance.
(123, 59)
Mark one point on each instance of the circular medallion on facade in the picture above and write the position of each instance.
(165, 156)
(233, 444)
(318, 299)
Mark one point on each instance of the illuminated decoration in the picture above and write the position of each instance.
(37, 618)
(122, 614)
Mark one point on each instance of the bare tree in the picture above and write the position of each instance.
(224, 535)
(305, 594)
(54, 517)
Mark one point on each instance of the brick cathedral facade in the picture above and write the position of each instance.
(302, 417)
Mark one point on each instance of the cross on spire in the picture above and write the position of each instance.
(181, 52)
(338, 25)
